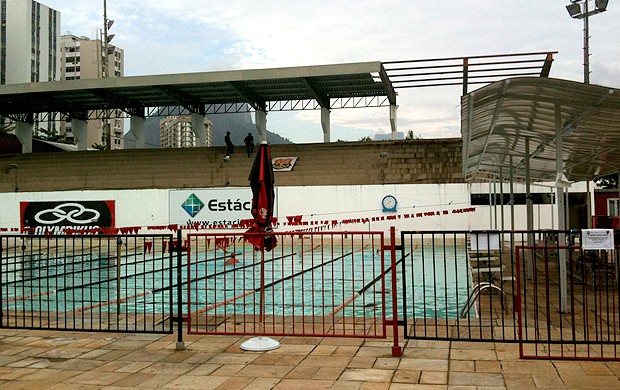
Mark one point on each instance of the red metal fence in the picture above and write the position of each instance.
(319, 284)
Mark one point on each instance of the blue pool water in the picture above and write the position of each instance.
(319, 282)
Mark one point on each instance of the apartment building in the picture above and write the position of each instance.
(83, 58)
(176, 132)
(29, 48)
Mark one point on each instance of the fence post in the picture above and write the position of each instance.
(1, 287)
(180, 346)
(397, 350)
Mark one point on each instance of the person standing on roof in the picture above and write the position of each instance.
(249, 144)
(229, 145)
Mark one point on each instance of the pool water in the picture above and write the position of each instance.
(298, 283)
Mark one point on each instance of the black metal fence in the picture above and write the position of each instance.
(538, 288)
(87, 282)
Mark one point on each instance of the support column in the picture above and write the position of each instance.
(325, 123)
(136, 126)
(198, 127)
(512, 196)
(261, 124)
(80, 133)
(393, 124)
(23, 132)
(529, 206)
(501, 197)
(561, 204)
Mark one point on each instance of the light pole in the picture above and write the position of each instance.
(578, 9)
(107, 23)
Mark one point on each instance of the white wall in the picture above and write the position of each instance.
(420, 207)
(133, 207)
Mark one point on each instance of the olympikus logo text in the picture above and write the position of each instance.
(71, 212)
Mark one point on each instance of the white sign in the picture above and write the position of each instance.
(218, 206)
(597, 239)
(484, 241)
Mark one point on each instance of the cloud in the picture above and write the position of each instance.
(162, 36)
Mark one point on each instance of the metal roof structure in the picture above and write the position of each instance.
(509, 122)
(207, 92)
(363, 84)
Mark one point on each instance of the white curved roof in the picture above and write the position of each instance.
(499, 119)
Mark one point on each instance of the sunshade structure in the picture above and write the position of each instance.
(522, 122)
(541, 130)
(306, 87)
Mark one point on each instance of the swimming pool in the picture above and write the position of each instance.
(298, 280)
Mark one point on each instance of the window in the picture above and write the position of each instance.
(612, 207)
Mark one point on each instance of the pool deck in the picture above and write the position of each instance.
(37, 359)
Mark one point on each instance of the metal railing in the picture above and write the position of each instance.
(319, 284)
(457, 285)
(539, 289)
(87, 282)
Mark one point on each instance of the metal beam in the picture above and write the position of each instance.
(251, 97)
(319, 94)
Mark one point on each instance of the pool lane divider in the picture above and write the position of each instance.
(139, 295)
(245, 294)
(366, 287)
(283, 279)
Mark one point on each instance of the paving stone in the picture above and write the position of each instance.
(462, 365)
(263, 371)
(200, 382)
(287, 384)
(590, 381)
(423, 364)
(101, 378)
(434, 377)
(475, 379)
(518, 381)
(370, 374)
(406, 376)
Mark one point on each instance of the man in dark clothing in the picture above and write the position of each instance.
(229, 145)
(249, 144)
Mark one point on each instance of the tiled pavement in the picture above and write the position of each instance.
(32, 359)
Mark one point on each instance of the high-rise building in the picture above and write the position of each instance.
(83, 58)
(176, 132)
(29, 46)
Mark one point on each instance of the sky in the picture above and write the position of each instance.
(183, 36)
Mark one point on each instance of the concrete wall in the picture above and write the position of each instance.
(350, 163)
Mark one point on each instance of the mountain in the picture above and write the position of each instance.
(239, 125)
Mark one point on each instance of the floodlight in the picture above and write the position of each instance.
(573, 9)
(110, 23)
(109, 38)
(601, 4)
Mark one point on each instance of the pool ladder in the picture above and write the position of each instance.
(473, 295)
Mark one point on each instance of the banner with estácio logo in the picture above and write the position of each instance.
(222, 207)
(55, 217)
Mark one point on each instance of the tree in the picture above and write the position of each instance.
(365, 139)
(6, 127)
(607, 182)
(51, 135)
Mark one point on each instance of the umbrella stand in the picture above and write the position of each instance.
(261, 343)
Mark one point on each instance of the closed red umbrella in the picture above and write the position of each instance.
(260, 235)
